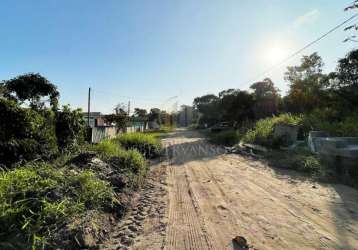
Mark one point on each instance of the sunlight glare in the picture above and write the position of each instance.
(276, 54)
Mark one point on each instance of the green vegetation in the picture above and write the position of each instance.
(145, 143)
(35, 131)
(314, 101)
(48, 186)
(226, 137)
(301, 159)
(159, 133)
(330, 121)
(130, 160)
(33, 199)
(70, 128)
(25, 134)
(262, 133)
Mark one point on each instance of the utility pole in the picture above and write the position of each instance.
(186, 115)
(89, 107)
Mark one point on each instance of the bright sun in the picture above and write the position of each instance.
(275, 54)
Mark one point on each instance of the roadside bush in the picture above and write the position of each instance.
(146, 144)
(130, 160)
(70, 128)
(300, 159)
(331, 122)
(25, 134)
(262, 133)
(34, 199)
(226, 138)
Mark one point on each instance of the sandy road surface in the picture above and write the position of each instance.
(212, 197)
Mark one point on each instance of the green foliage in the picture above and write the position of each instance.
(344, 81)
(266, 98)
(130, 160)
(70, 128)
(262, 133)
(145, 143)
(232, 105)
(208, 106)
(300, 159)
(121, 119)
(31, 87)
(154, 115)
(34, 198)
(311, 164)
(226, 137)
(25, 134)
(141, 113)
(330, 120)
(306, 85)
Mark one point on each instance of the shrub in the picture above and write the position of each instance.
(227, 137)
(262, 133)
(25, 134)
(131, 160)
(70, 128)
(146, 144)
(34, 199)
(311, 164)
(331, 122)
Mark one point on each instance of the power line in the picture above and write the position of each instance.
(128, 97)
(303, 48)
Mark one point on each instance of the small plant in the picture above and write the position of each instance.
(311, 164)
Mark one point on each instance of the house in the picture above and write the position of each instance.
(96, 119)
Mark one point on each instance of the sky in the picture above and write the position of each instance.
(162, 53)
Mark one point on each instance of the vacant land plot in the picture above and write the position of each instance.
(211, 197)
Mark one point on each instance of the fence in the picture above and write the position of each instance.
(107, 132)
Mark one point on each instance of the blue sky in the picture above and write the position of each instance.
(149, 51)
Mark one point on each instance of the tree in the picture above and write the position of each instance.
(307, 85)
(154, 115)
(354, 26)
(140, 113)
(264, 89)
(344, 81)
(25, 134)
(31, 87)
(266, 98)
(235, 105)
(70, 127)
(120, 120)
(208, 107)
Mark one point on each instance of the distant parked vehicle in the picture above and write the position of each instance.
(220, 127)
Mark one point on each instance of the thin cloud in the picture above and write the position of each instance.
(309, 16)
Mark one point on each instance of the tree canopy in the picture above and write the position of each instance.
(31, 87)
(306, 82)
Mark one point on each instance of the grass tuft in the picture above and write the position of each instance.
(33, 198)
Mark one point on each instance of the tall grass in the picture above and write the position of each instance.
(262, 133)
(146, 144)
(35, 198)
(111, 150)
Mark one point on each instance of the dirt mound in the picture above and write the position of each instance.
(109, 172)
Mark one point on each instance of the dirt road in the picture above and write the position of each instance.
(208, 197)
